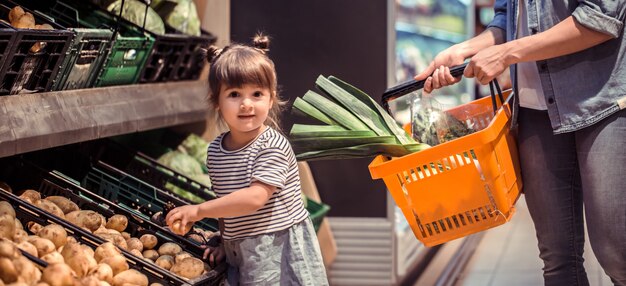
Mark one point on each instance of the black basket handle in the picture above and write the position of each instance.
(411, 86)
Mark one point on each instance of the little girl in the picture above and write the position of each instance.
(268, 238)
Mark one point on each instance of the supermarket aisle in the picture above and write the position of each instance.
(508, 255)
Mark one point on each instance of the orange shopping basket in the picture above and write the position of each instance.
(459, 187)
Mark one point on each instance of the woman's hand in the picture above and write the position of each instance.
(437, 74)
(185, 215)
(487, 64)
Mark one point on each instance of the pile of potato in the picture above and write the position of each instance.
(52, 244)
(20, 19)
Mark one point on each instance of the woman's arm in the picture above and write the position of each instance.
(565, 38)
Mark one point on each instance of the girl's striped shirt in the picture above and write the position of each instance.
(268, 159)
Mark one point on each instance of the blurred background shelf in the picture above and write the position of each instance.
(43, 120)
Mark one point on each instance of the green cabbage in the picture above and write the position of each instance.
(184, 18)
(181, 163)
(196, 147)
(134, 12)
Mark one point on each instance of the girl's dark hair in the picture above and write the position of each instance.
(237, 65)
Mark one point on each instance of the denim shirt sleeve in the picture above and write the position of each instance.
(603, 16)
(499, 19)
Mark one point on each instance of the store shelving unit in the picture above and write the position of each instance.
(43, 120)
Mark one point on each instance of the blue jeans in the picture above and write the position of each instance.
(563, 172)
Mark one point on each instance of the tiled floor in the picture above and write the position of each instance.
(508, 255)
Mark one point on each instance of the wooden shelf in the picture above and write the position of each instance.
(43, 120)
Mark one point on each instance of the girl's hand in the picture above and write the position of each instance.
(437, 74)
(487, 64)
(182, 216)
(214, 254)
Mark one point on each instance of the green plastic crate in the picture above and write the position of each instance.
(317, 212)
(129, 51)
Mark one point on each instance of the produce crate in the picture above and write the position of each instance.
(87, 54)
(130, 46)
(54, 184)
(317, 212)
(7, 40)
(142, 198)
(33, 71)
(193, 56)
(25, 212)
(462, 186)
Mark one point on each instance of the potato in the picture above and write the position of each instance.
(103, 272)
(15, 13)
(6, 209)
(44, 246)
(8, 273)
(135, 243)
(88, 250)
(136, 253)
(76, 259)
(20, 235)
(170, 248)
(54, 233)
(7, 227)
(34, 227)
(117, 262)
(26, 21)
(18, 224)
(9, 250)
(117, 239)
(151, 254)
(179, 228)
(53, 257)
(149, 241)
(63, 203)
(58, 274)
(165, 262)
(89, 281)
(189, 267)
(106, 249)
(179, 257)
(86, 219)
(29, 248)
(132, 277)
(126, 235)
(50, 207)
(31, 196)
(28, 271)
(117, 222)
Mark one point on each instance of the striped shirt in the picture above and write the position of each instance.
(268, 159)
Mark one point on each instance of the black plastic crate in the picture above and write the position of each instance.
(33, 71)
(193, 58)
(7, 40)
(142, 198)
(52, 184)
(166, 56)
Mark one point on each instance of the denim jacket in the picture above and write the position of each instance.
(581, 88)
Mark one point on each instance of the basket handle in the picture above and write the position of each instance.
(412, 85)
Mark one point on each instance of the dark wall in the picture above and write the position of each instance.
(344, 38)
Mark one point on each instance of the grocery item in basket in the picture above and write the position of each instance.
(432, 125)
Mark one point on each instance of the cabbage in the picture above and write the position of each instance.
(181, 15)
(181, 163)
(134, 12)
(196, 147)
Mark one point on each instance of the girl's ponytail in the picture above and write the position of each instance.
(261, 43)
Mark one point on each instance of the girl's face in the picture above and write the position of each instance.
(245, 109)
